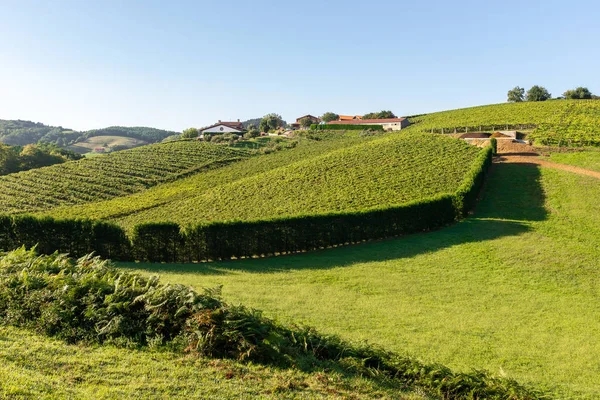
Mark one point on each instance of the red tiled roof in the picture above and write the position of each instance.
(232, 125)
(367, 121)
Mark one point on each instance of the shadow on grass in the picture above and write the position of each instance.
(511, 200)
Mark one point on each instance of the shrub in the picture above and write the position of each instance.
(89, 300)
(157, 242)
(494, 145)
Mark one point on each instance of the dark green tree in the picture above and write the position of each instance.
(306, 122)
(379, 115)
(578, 93)
(190, 133)
(329, 116)
(538, 93)
(271, 122)
(516, 95)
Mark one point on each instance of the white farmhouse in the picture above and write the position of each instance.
(224, 127)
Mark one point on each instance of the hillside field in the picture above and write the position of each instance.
(387, 170)
(512, 289)
(554, 122)
(107, 142)
(110, 176)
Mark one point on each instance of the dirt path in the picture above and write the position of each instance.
(517, 153)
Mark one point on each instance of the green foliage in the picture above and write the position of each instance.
(516, 95)
(190, 133)
(329, 116)
(494, 145)
(90, 301)
(252, 133)
(271, 122)
(16, 158)
(21, 133)
(346, 127)
(565, 122)
(157, 242)
(538, 93)
(76, 237)
(379, 115)
(578, 93)
(113, 175)
(306, 122)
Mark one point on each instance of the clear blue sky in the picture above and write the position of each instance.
(175, 64)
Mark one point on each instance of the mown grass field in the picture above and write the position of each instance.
(584, 159)
(513, 289)
(33, 366)
(89, 144)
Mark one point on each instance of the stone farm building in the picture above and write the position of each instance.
(224, 127)
(313, 119)
(388, 124)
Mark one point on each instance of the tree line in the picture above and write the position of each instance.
(540, 93)
(22, 158)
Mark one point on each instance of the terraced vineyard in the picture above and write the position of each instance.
(385, 171)
(557, 122)
(114, 175)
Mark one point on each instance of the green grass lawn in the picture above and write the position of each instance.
(36, 367)
(514, 289)
(584, 159)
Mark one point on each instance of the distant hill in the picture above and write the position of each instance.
(21, 133)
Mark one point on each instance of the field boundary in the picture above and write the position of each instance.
(170, 242)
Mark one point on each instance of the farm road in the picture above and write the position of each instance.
(516, 153)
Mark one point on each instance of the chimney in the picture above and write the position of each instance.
(238, 120)
(219, 120)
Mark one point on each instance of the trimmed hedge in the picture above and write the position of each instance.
(168, 242)
(76, 237)
(345, 127)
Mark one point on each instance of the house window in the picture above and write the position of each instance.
(221, 129)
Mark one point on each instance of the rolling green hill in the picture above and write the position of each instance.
(110, 176)
(21, 133)
(368, 173)
(555, 122)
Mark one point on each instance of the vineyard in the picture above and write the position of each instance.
(557, 122)
(114, 175)
(374, 173)
(191, 186)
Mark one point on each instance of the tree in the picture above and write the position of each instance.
(329, 116)
(538, 93)
(271, 122)
(379, 115)
(190, 133)
(306, 122)
(579, 93)
(516, 95)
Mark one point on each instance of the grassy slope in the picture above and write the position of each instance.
(586, 159)
(513, 289)
(191, 186)
(114, 175)
(388, 170)
(556, 112)
(93, 142)
(34, 366)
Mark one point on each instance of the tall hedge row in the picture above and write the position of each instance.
(168, 242)
(76, 237)
(345, 127)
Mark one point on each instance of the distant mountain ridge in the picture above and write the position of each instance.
(21, 133)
